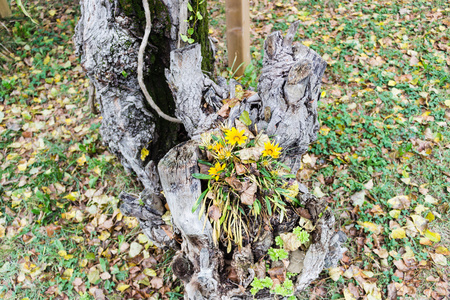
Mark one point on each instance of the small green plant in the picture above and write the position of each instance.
(259, 284)
(194, 17)
(302, 235)
(250, 77)
(284, 289)
(277, 254)
(279, 242)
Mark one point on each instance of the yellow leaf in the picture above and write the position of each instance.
(371, 227)
(150, 272)
(77, 239)
(442, 250)
(307, 43)
(122, 287)
(425, 241)
(420, 209)
(2, 231)
(392, 83)
(238, 92)
(439, 259)
(72, 196)
(62, 253)
(395, 213)
(144, 153)
(324, 130)
(447, 103)
(104, 235)
(348, 295)
(430, 199)
(11, 156)
(400, 202)
(142, 238)
(420, 223)
(68, 215)
(97, 170)
(432, 236)
(83, 262)
(430, 216)
(335, 273)
(398, 233)
(71, 90)
(409, 254)
(52, 12)
(82, 160)
(67, 274)
(46, 60)
(22, 167)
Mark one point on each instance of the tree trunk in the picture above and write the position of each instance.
(108, 37)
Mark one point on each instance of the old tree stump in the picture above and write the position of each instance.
(164, 154)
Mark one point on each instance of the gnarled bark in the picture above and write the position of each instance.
(285, 106)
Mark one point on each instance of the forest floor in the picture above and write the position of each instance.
(382, 157)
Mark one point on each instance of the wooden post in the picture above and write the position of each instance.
(5, 12)
(238, 34)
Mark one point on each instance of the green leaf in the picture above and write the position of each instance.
(90, 256)
(199, 16)
(204, 162)
(245, 118)
(269, 207)
(190, 31)
(282, 165)
(201, 176)
(199, 200)
(279, 241)
(189, 7)
(289, 176)
(184, 37)
(265, 173)
(191, 41)
(257, 206)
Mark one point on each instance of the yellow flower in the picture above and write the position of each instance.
(271, 150)
(234, 136)
(217, 147)
(216, 170)
(224, 154)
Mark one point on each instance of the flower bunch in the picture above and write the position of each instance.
(245, 182)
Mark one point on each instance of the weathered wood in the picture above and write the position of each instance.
(238, 34)
(182, 191)
(188, 85)
(285, 106)
(289, 88)
(5, 12)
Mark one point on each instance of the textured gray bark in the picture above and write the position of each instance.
(109, 54)
(285, 106)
